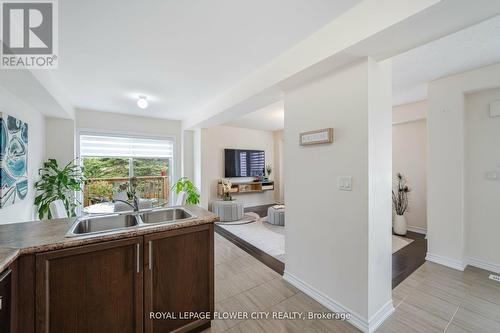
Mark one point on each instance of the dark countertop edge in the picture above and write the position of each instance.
(7, 260)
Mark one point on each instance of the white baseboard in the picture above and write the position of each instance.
(446, 261)
(489, 266)
(356, 320)
(378, 318)
(418, 230)
(461, 265)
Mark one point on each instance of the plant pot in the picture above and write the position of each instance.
(400, 225)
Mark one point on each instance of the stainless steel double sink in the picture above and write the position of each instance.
(99, 224)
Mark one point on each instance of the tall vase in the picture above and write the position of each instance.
(400, 225)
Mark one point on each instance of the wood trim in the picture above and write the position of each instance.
(266, 259)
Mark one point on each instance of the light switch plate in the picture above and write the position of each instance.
(345, 183)
(493, 175)
(495, 109)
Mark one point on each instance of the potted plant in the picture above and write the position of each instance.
(186, 185)
(58, 184)
(226, 189)
(400, 204)
(269, 170)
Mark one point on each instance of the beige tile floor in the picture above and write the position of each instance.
(440, 299)
(433, 299)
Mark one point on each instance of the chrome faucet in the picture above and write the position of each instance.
(135, 205)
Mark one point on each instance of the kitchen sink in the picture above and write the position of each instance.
(165, 215)
(99, 224)
(105, 223)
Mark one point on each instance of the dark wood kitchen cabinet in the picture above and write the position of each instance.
(6, 301)
(179, 279)
(91, 288)
(113, 286)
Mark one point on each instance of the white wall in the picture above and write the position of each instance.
(188, 154)
(89, 120)
(446, 201)
(200, 160)
(220, 137)
(60, 139)
(278, 166)
(409, 157)
(338, 242)
(406, 113)
(25, 210)
(482, 196)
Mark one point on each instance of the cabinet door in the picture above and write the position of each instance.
(5, 301)
(178, 273)
(93, 288)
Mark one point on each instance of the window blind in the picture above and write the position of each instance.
(120, 146)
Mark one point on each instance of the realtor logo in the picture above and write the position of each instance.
(29, 34)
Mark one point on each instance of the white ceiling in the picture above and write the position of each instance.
(181, 54)
(476, 46)
(473, 47)
(269, 118)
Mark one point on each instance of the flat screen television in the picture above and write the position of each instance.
(244, 163)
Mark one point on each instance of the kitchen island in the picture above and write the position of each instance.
(113, 281)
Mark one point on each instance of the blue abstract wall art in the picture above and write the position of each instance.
(13, 160)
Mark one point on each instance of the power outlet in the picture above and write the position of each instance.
(495, 277)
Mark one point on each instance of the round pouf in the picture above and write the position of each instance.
(276, 215)
(228, 211)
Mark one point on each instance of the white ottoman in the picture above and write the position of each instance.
(228, 211)
(276, 215)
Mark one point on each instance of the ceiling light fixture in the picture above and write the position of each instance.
(142, 102)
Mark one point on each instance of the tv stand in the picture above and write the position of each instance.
(248, 187)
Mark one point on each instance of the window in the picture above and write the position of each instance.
(110, 161)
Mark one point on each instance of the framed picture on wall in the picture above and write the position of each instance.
(316, 137)
(13, 160)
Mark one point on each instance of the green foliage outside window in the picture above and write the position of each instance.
(112, 167)
(104, 167)
(100, 191)
(150, 167)
(107, 168)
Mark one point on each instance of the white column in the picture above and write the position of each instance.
(338, 243)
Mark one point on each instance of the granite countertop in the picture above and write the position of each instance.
(32, 237)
